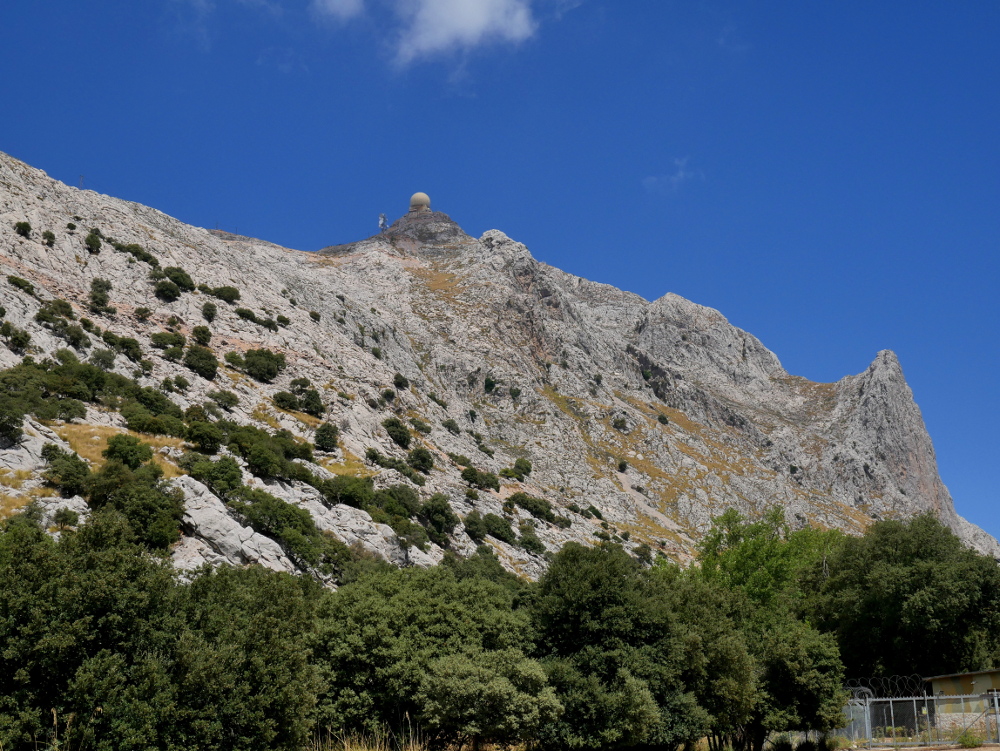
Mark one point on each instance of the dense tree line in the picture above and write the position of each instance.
(104, 646)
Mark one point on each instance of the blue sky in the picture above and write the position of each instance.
(825, 174)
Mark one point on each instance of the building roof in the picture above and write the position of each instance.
(963, 675)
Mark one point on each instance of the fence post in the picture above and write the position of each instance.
(996, 715)
(892, 719)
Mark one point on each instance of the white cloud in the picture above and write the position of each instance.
(432, 27)
(671, 183)
(424, 28)
(338, 10)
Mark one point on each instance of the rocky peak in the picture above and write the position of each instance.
(656, 415)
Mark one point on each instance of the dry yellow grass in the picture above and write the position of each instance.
(260, 414)
(90, 440)
(352, 465)
(10, 504)
(14, 478)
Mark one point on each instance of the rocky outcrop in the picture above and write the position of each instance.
(657, 414)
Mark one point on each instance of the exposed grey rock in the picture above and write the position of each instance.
(593, 368)
(206, 518)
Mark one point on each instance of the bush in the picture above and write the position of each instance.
(173, 354)
(209, 311)
(286, 400)
(22, 284)
(498, 527)
(93, 242)
(520, 470)
(143, 314)
(235, 359)
(206, 437)
(283, 321)
(662, 419)
(226, 294)
(421, 460)
(314, 315)
(263, 365)
(622, 465)
(23, 229)
(49, 237)
(537, 507)
(400, 381)
(129, 450)
(202, 335)
(167, 290)
(439, 519)
(377, 352)
(136, 251)
(967, 739)
(128, 347)
(179, 277)
(103, 358)
(225, 399)
(11, 420)
(397, 431)
(389, 462)
(201, 361)
(420, 425)
(438, 400)
(451, 426)
(311, 403)
(64, 518)
(529, 541)
(480, 479)
(326, 437)
(489, 384)
(515, 392)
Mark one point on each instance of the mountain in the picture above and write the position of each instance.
(641, 420)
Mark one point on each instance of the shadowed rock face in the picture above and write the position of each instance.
(582, 376)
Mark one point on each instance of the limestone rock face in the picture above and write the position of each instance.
(657, 415)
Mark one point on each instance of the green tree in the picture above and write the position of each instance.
(264, 365)
(206, 437)
(614, 651)
(397, 431)
(201, 361)
(908, 597)
(379, 636)
(202, 335)
(166, 290)
(326, 437)
(421, 460)
(128, 449)
(498, 697)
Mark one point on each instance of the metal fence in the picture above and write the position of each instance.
(920, 720)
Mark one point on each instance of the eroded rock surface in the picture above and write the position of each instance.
(573, 375)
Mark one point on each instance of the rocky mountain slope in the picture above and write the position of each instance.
(640, 420)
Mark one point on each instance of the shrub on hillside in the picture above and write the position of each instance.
(397, 431)
(201, 361)
(263, 365)
(166, 290)
(326, 437)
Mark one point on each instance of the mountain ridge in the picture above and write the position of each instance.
(703, 415)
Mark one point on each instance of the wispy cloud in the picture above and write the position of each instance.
(431, 28)
(190, 18)
(672, 182)
(338, 10)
